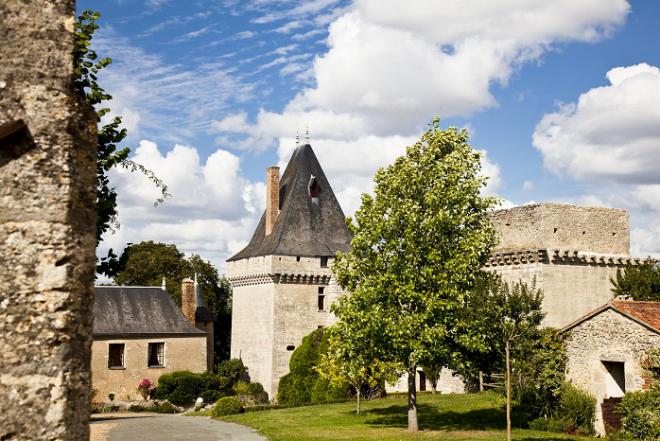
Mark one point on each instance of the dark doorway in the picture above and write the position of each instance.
(422, 381)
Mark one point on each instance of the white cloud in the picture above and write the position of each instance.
(391, 66)
(610, 138)
(212, 211)
(612, 132)
(528, 186)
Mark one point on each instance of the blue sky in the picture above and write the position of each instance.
(213, 92)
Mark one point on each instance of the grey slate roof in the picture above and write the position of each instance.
(304, 227)
(121, 310)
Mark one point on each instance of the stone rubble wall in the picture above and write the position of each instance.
(551, 226)
(609, 336)
(47, 226)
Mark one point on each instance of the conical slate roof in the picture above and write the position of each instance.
(202, 311)
(306, 225)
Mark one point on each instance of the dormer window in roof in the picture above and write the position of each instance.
(313, 188)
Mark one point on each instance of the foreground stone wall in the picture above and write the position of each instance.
(47, 226)
(609, 336)
(181, 353)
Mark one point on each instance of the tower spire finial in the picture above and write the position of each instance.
(307, 134)
(297, 138)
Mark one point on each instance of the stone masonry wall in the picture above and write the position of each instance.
(47, 226)
(181, 353)
(571, 227)
(274, 305)
(569, 290)
(608, 336)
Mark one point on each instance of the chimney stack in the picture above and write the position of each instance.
(188, 305)
(272, 197)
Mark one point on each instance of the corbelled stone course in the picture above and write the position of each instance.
(47, 226)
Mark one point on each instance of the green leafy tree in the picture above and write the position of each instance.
(640, 282)
(518, 316)
(146, 263)
(350, 359)
(88, 64)
(417, 245)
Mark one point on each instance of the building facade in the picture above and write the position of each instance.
(605, 350)
(139, 332)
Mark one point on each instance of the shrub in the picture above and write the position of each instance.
(303, 385)
(640, 414)
(577, 409)
(165, 407)
(540, 424)
(183, 387)
(227, 406)
(251, 393)
(233, 369)
(241, 388)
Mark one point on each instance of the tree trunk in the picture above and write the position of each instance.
(434, 386)
(358, 401)
(413, 425)
(507, 377)
(481, 381)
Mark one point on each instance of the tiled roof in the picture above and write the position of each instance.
(304, 227)
(125, 310)
(648, 312)
(645, 313)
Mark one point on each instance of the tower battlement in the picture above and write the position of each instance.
(553, 226)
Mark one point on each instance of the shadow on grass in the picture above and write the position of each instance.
(432, 419)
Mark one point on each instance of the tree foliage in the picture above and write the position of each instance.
(87, 65)
(640, 282)
(417, 245)
(146, 263)
(303, 385)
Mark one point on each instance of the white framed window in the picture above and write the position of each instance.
(156, 354)
(116, 355)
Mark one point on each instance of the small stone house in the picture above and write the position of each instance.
(139, 332)
(605, 349)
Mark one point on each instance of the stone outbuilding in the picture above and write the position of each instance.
(605, 349)
(139, 332)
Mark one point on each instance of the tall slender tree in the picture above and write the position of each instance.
(417, 245)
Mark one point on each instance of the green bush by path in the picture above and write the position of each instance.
(233, 369)
(227, 406)
(577, 409)
(184, 387)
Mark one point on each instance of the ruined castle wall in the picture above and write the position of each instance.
(47, 226)
(608, 336)
(563, 226)
(569, 290)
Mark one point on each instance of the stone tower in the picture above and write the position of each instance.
(282, 280)
(571, 251)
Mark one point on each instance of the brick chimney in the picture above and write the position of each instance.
(188, 305)
(272, 197)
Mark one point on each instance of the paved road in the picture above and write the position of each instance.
(159, 427)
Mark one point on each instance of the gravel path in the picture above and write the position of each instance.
(165, 427)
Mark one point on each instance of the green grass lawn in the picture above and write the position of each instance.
(452, 417)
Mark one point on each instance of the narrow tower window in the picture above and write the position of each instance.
(324, 262)
(321, 299)
(313, 188)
